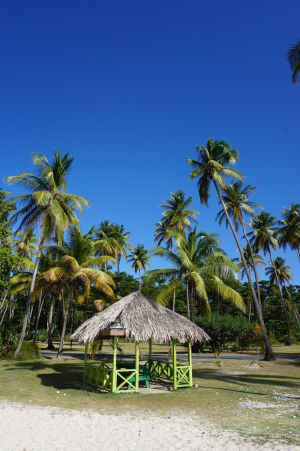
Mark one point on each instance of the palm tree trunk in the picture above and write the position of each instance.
(269, 355)
(5, 310)
(174, 300)
(294, 307)
(188, 301)
(250, 306)
(283, 304)
(63, 332)
(253, 260)
(38, 313)
(27, 311)
(140, 281)
(51, 325)
(4, 296)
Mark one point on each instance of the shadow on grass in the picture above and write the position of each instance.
(249, 379)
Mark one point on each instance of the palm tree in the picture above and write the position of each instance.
(176, 213)
(289, 228)
(25, 245)
(123, 244)
(253, 260)
(46, 206)
(284, 276)
(203, 268)
(106, 240)
(177, 219)
(139, 259)
(211, 168)
(263, 237)
(74, 280)
(238, 205)
(293, 58)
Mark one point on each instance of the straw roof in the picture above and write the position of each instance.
(141, 320)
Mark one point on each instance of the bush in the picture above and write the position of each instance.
(232, 332)
(28, 351)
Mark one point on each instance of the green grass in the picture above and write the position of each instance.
(221, 397)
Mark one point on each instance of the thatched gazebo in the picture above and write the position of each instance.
(138, 319)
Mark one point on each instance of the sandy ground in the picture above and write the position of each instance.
(41, 428)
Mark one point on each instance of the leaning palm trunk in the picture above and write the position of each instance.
(253, 260)
(269, 355)
(51, 325)
(188, 301)
(28, 305)
(294, 307)
(38, 314)
(63, 332)
(5, 310)
(4, 296)
(283, 304)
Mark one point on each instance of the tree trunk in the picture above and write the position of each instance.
(174, 300)
(253, 260)
(27, 312)
(51, 325)
(250, 306)
(269, 355)
(188, 301)
(4, 296)
(5, 310)
(140, 281)
(63, 332)
(283, 304)
(38, 313)
(294, 307)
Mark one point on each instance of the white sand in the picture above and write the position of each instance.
(42, 428)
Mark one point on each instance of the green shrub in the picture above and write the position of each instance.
(233, 332)
(28, 351)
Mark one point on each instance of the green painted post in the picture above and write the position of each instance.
(137, 366)
(85, 363)
(190, 364)
(174, 366)
(114, 368)
(150, 349)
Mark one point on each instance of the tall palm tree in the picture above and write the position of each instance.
(139, 259)
(263, 237)
(203, 268)
(253, 260)
(106, 240)
(289, 228)
(176, 213)
(211, 168)
(46, 206)
(176, 219)
(293, 57)
(123, 244)
(238, 205)
(25, 245)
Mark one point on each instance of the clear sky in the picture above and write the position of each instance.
(129, 88)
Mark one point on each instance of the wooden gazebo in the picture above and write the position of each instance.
(138, 319)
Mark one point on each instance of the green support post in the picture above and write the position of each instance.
(190, 363)
(114, 368)
(85, 362)
(150, 349)
(174, 366)
(137, 366)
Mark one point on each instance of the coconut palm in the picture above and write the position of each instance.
(211, 168)
(176, 219)
(238, 205)
(293, 58)
(202, 268)
(139, 259)
(289, 228)
(176, 214)
(263, 237)
(106, 240)
(253, 260)
(73, 281)
(46, 206)
(25, 245)
(123, 244)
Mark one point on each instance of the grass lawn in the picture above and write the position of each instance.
(262, 402)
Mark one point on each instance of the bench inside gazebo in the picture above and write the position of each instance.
(136, 318)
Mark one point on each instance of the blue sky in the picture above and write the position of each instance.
(129, 88)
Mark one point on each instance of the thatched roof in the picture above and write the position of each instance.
(141, 320)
